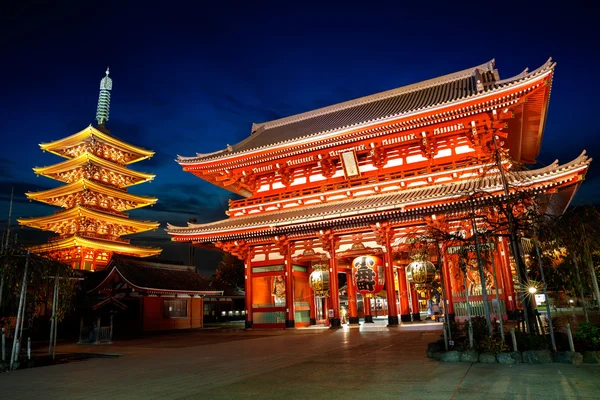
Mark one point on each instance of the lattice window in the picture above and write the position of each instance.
(175, 309)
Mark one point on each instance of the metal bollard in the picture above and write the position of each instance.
(3, 346)
(514, 339)
(570, 335)
(445, 337)
(29, 348)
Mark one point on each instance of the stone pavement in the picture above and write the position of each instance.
(292, 364)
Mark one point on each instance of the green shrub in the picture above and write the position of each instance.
(480, 330)
(527, 342)
(492, 345)
(587, 336)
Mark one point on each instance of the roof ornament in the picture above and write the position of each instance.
(104, 100)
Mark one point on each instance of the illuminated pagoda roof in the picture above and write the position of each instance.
(61, 220)
(89, 139)
(61, 170)
(153, 277)
(95, 244)
(403, 204)
(57, 196)
(450, 96)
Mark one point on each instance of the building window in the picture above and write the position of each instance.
(175, 309)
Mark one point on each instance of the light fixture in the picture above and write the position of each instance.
(532, 290)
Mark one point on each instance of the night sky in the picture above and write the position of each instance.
(190, 79)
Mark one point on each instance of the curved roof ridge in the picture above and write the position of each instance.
(548, 64)
(488, 67)
(372, 109)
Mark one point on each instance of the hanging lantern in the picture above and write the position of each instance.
(319, 280)
(421, 272)
(368, 275)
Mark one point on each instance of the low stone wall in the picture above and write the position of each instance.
(515, 357)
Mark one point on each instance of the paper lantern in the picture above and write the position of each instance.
(368, 275)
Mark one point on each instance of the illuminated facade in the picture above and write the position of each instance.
(94, 198)
(356, 179)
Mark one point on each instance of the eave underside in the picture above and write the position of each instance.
(402, 206)
(95, 244)
(58, 147)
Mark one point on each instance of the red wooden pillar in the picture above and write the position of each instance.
(334, 286)
(448, 288)
(334, 293)
(248, 291)
(504, 269)
(311, 301)
(352, 306)
(403, 287)
(367, 309)
(289, 290)
(415, 304)
(390, 288)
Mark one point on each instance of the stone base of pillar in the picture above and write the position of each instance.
(369, 319)
(405, 318)
(313, 321)
(392, 320)
(353, 320)
(335, 322)
(290, 323)
(248, 325)
(416, 316)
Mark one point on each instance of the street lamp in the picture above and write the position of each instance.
(532, 290)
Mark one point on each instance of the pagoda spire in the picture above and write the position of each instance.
(104, 100)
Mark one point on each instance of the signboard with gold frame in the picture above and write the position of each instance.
(350, 164)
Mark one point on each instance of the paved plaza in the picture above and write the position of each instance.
(292, 364)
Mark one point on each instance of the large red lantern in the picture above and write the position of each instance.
(368, 275)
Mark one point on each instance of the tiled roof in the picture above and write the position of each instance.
(416, 197)
(470, 83)
(157, 276)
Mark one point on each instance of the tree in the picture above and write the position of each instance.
(28, 285)
(230, 272)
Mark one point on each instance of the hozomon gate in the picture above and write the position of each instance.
(357, 178)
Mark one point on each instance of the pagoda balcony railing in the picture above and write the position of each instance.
(90, 235)
(320, 189)
(99, 209)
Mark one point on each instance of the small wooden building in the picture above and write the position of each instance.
(140, 295)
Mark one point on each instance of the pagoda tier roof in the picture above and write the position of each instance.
(407, 203)
(85, 158)
(95, 244)
(155, 277)
(472, 84)
(64, 217)
(48, 196)
(60, 147)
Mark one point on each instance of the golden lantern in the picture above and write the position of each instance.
(319, 280)
(421, 272)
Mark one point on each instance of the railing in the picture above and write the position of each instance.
(477, 308)
(321, 188)
(91, 235)
(93, 335)
(477, 292)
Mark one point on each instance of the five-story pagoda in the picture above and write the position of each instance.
(94, 197)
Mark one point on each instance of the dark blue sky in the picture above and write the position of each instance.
(193, 78)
